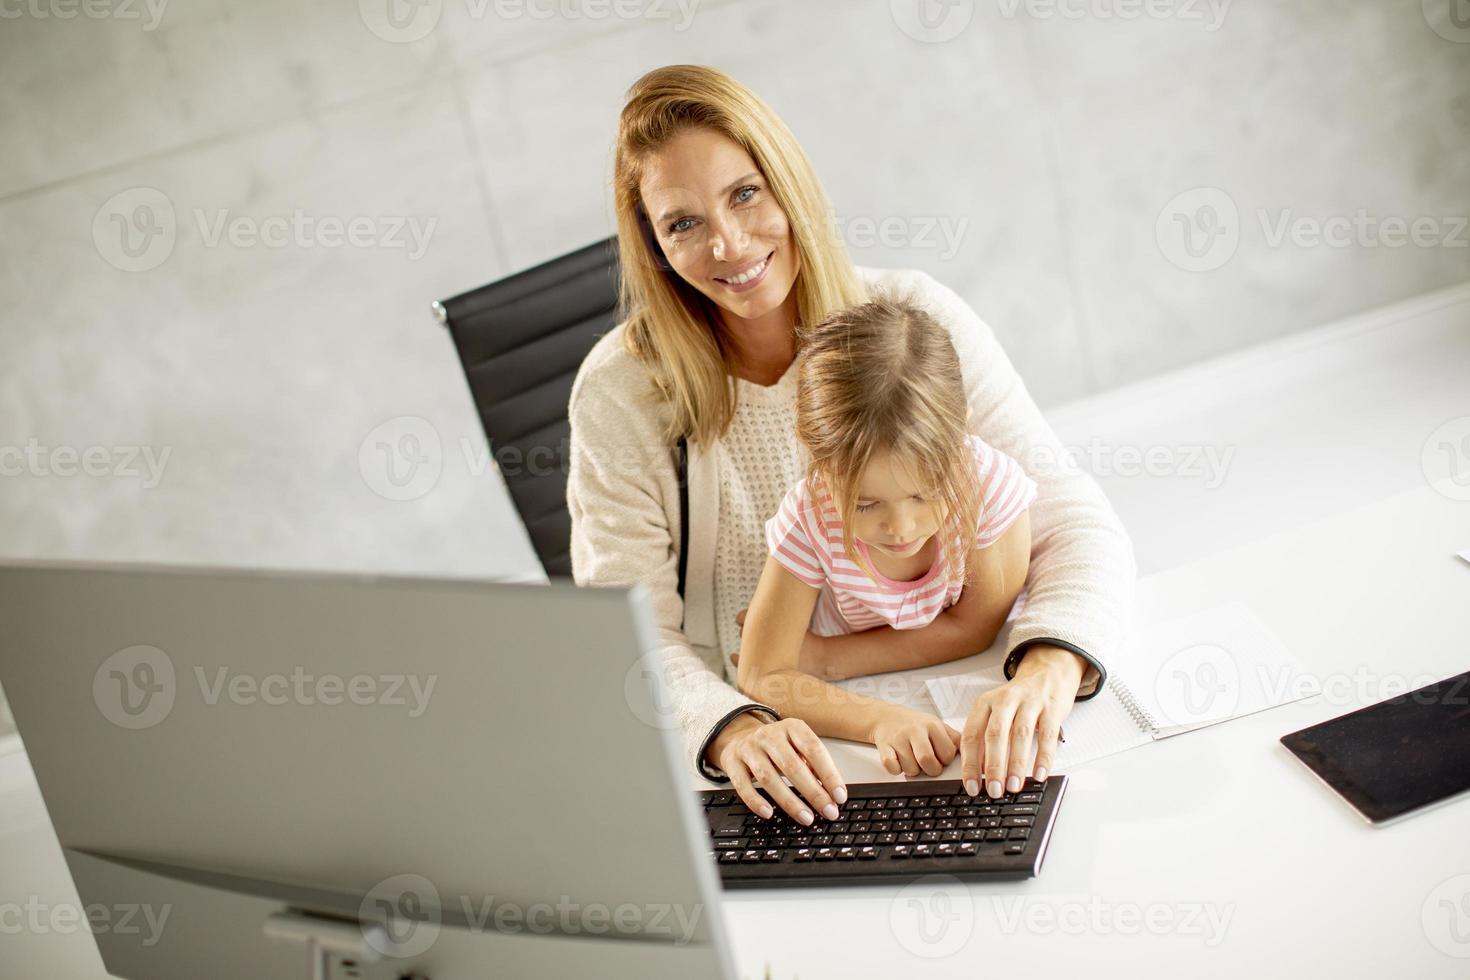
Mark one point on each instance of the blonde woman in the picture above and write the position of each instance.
(902, 515)
(726, 247)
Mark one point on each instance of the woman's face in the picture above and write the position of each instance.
(718, 223)
(893, 513)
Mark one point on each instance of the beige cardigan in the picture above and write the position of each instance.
(623, 496)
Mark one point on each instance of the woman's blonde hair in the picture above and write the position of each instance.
(671, 327)
(884, 375)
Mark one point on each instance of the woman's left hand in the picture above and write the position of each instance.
(1023, 714)
(812, 659)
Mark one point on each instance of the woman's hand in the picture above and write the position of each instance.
(755, 753)
(1025, 713)
(813, 659)
(911, 742)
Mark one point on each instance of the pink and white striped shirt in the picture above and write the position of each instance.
(805, 536)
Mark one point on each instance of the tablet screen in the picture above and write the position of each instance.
(1396, 756)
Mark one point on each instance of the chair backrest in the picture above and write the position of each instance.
(520, 341)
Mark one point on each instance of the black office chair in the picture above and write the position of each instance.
(520, 342)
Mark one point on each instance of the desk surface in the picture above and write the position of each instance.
(1203, 855)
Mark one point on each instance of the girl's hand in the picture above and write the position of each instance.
(755, 753)
(1025, 713)
(813, 659)
(911, 742)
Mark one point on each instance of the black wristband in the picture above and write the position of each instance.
(1013, 660)
(703, 767)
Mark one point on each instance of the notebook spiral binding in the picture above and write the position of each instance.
(1138, 712)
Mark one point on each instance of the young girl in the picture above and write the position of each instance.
(904, 521)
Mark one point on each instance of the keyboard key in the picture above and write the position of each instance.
(967, 849)
(944, 850)
(972, 835)
(923, 850)
(908, 837)
(842, 839)
(861, 839)
(771, 854)
(867, 853)
(1016, 808)
(950, 835)
(969, 822)
(730, 857)
(846, 853)
(825, 854)
(996, 834)
(990, 821)
(1018, 847)
(1017, 821)
(886, 839)
(860, 828)
(804, 854)
(1018, 833)
(944, 825)
(821, 840)
(750, 857)
(1028, 797)
(929, 836)
(731, 844)
(899, 851)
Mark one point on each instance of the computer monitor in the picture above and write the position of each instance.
(266, 774)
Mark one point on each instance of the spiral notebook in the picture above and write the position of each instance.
(1173, 677)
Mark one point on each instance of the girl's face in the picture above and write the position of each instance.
(893, 514)
(718, 224)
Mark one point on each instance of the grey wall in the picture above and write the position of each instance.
(266, 380)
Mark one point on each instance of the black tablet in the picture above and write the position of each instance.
(1398, 756)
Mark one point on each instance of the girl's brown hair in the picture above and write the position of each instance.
(884, 375)
(670, 326)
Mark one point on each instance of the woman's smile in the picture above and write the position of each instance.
(747, 278)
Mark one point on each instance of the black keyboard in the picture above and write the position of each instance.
(887, 832)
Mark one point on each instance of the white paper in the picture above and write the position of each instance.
(1182, 674)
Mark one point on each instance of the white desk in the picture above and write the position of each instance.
(1220, 821)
